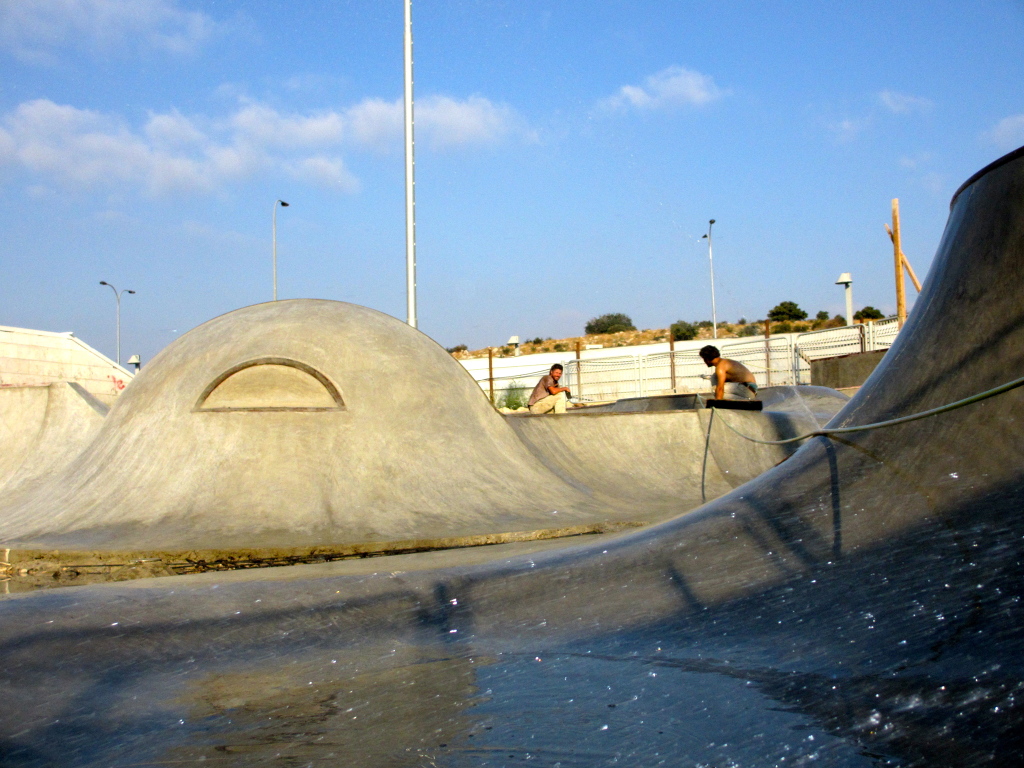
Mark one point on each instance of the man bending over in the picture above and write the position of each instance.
(547, 396)
(731, 380)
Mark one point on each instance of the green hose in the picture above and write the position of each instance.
(889, 423)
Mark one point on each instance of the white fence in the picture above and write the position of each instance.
(774, 361)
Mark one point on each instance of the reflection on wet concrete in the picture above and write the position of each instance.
(405, 710)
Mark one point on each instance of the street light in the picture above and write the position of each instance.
(845, 279)
(410, 174)
(283, 205)
(714, 314)
(117, 295)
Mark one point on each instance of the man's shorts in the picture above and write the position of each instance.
(737, 391)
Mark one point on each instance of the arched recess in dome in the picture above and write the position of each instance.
(270, 384)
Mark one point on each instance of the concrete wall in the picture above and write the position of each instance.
(845, 371)
(31, 358)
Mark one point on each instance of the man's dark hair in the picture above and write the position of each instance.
(557, 366)
(709, 353)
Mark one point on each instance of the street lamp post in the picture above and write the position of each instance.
(283, 204)
(410, 175)
(711, 260)
(117, 295)
(845, 279)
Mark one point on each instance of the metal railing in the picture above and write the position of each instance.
(775, 361)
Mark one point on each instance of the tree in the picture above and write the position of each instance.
(868, 313)
(822, 316)
(610, 323)
(683, 331)
(787, 310)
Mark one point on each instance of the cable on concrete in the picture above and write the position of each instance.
(888, 423)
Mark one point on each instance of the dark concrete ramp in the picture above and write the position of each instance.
(858, 605)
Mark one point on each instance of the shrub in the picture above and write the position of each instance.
(822, 316)
(457, 348)
(538, 340)
(749, 330)
(786, 310)
(610, 323)
(836, 322)
(868, 313)
(704, 324)
(515, 396)
(683, 331)
(782, 328)
(560, 347)
(741, 321)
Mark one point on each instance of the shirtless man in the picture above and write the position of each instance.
(547, 396)
(732, 380)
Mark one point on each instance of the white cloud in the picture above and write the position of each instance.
(34, 30)
(376, 123)
(848, 129)
(325, 171)
(264, 125)
(449, 122)
(903, 104)
(441, 121)
(1008, 133)
(172, 152)
(671, 87)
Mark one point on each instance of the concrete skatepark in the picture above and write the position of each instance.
(857, 604)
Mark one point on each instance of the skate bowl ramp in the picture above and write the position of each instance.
(858, 605)
(43, 428)
(317, 424)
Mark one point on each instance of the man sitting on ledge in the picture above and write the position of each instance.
(547, 396)
(731, 380)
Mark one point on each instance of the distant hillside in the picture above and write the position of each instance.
(636, 338)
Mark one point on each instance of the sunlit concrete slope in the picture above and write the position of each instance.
(291, 423)
(43, 428)
(858, 605)
(317, 423)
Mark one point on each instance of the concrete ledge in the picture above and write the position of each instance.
(845, 371)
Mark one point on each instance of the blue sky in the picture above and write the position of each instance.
(569, 156)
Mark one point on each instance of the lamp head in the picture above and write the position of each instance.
(104, 282)
(711, 222)
(131, 291)
(283, 203)
(703, 237)
(844, 279)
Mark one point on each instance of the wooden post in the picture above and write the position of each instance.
(768, 353)
(906, 261)
(490, 371)
(672, 357)
(901, 289)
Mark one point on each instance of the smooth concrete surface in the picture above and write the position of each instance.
(43, 428)
(315, 423)
(860, 604)
(845, 371)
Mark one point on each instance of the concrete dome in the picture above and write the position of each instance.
(292, 423)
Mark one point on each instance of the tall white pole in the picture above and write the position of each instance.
(410, 178)
(849, 303)
(711, 259)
